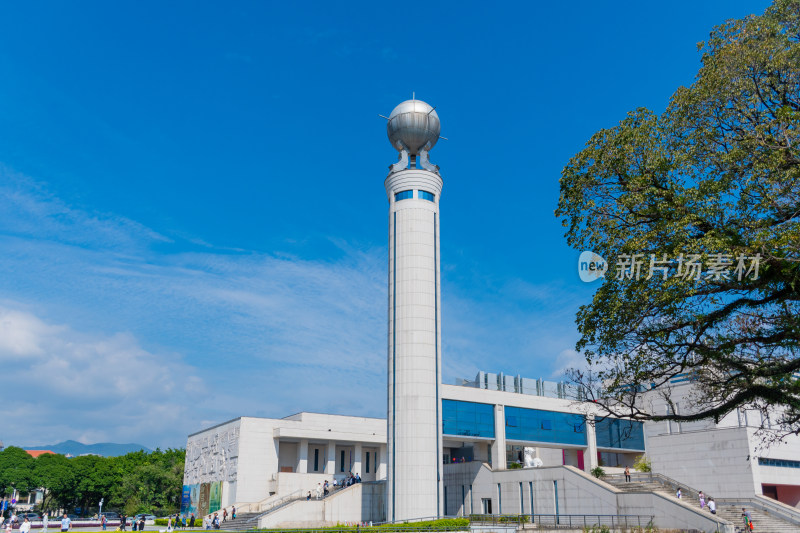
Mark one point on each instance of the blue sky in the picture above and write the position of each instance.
(193, 224)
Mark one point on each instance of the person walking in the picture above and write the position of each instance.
(224, 515)
(627, 474)
(141, 523)
(679, 494)
(191, 520)
(233, 513)
(25, 527)
(103, 522)
(702, 498)
(45, 520)
(748, 521)
(123, 522)
(66, 523)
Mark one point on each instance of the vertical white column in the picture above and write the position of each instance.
(302, 457)
(330, 463)
(381, 462)
(357, 459)
(499, 444)
(414, 487)
(591, 443)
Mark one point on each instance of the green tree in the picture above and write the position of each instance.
(718, 172)
(53, 472)
(16, 470)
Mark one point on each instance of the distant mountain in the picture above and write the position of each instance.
(106, 449)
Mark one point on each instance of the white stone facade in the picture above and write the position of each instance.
(414, 371)
(259, 458)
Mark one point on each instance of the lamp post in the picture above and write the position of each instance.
(100, 513)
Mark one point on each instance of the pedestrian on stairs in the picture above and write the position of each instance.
(748, 521)
(712, 506)
(627, 475)
(702, 500)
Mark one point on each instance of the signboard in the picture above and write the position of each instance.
(190, 500)
(215, 497)
(203, 499)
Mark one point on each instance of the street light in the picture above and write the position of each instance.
(100, 514)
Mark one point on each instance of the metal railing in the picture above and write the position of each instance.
(687, 492)
(762, 503)
(280, 502)
(564, 521)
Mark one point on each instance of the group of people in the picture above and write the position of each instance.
(25, 525)
(710, 503)
(323, 489)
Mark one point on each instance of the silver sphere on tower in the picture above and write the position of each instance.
(414, 126)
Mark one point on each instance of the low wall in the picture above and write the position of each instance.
(564, 490)
(362, 502)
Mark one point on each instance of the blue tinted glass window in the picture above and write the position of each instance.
(619, 433)
(545, 426)
(786, 463)
(467, 418)
(425, 195)
(403, 195)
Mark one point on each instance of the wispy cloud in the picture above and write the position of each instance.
(91, 387)
(128, 337)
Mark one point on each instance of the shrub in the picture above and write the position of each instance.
(598, 472)
(642, 464)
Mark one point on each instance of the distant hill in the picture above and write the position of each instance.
(106, 449)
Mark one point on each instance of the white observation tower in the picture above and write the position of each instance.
(414, 485)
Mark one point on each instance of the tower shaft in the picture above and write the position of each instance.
(414, 386)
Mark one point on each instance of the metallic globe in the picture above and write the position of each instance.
(415, 124)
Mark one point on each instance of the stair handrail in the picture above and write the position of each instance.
(280, 502)
(686, 490)
(762, 503)
(790, 514)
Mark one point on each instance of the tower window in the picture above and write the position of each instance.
(403, 195)
(425, 195)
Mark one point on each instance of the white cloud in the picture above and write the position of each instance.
(566, 360)
(116, 338)
(64, 383)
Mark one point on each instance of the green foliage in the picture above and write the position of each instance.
(16, 470)
(718, 172)
(515, 466)
(447, 524)
(134, 483)
(642, 464)
(596, 529)
(598, 472)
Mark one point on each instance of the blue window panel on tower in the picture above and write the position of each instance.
(425, 195)
(545, 426)
(467, 419)
(619, 433)
(403, 195)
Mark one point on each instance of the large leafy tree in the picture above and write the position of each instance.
(716, 178)
(136, 482)
(16, 470)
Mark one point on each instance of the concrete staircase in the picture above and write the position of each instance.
(243, 522)
(642, 486)
(763, 522)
